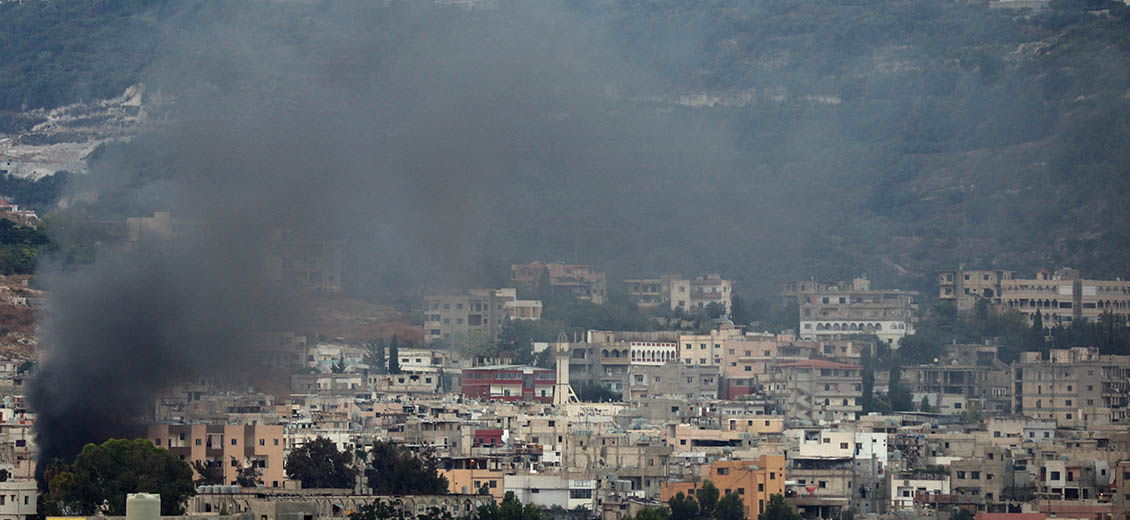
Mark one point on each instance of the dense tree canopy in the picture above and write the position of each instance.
(396, 470)
(319, 464)
(103, 474)
(777, 509)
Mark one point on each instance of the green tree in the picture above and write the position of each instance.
(868, 397)
(516, 339)
(683, 507)
(512, 509)
(394, 356)
(377, 510)
(208, 472)
(714, 310)
(739, 311)
(777, 509)
(488, 511)
(103, 474)
(375, 356)
(248, 475)
(730, 507)
(319, 464)
(339, 366)
(1036, 337)
(707, 497)
(597, 393)
(653, 513)
(961, 514)
(481, 344)
(396, 470)
(898, 394)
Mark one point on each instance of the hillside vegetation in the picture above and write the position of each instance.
(888, 137)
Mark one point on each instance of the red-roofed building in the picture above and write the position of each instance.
(509, 383)
(488, 437)
(817, 389)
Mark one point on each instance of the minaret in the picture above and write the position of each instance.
(562, 392)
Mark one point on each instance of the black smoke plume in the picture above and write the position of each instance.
(439, 143)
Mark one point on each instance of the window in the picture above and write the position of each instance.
(761, 487)
(843, 445)
(157, 441)
(233, 442)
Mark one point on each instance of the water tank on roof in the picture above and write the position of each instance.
(143, 506)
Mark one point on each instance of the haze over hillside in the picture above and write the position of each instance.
(769, 141)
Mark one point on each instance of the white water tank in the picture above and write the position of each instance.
(143, 506)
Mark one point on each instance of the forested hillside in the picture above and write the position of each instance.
(887, 137)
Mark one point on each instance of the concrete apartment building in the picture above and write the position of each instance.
(753, 480)
(672, 379)
(581, 281)
(306, 264)
(964, 287)
(457, 316)
(680, 293)
(1074, 387)
(1121, 488)
(980, 482)
(1064, 296)
(260, 446)
(553, 490)
(956, 383)
(839, 311)
(605, 357)
(833, 469)
(811, 391)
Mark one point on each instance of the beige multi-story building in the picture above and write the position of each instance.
(1121, 489)
(839, 311)
(755, 481)
(457, 316)
(582, 281)
(257, 446)
(817, 390)
(964, 287)
(1064, 296)
(680, 293)
(1075, 387)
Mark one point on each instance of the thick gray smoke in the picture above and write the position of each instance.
(436, 142)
